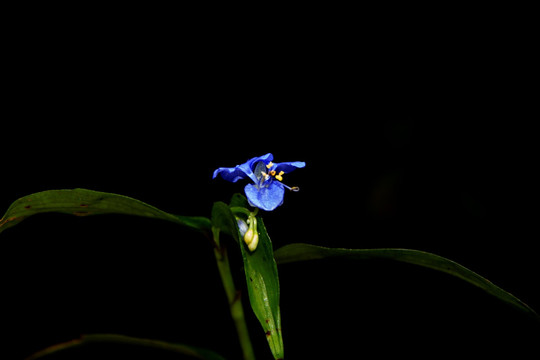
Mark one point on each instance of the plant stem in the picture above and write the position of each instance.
(233, 296)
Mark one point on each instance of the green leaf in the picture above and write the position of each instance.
(301, 252)
(82, 202)
(197, 353)
(224, 220)
(261, 273)
(263, 288)
(239, 200)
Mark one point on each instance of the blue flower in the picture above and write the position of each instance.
(267, 190)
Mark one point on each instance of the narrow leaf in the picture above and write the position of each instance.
(82, 202)
(301, 252)
(263, 288)
(197, 353)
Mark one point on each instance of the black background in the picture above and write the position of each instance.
(415, 135)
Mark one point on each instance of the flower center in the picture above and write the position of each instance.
(273, 172)
(270, 175)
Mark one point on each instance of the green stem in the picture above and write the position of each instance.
(233, 296)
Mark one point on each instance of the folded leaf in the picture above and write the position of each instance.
(82, 202)
(301, 252)
(260, 270)
(263, 287)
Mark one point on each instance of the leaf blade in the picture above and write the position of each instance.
(223, 219)
(260, 271)
(303, 252)
(263, 288)
(84, 202)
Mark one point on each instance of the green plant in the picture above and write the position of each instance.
(243, 223)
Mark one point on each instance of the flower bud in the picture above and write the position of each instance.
(242, 226)
(251, 237)
(248, 236)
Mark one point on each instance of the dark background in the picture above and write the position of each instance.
(416, 134)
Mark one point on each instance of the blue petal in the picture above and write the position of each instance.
(266, 158)
(287, 167)
(233, 174)
(265, 198)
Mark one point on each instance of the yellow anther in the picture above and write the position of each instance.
(270, 164)
(279, 176)
(273, 172)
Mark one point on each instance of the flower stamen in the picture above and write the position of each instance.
(293, 188)
(277, 176)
